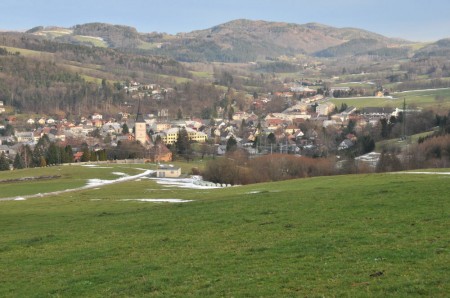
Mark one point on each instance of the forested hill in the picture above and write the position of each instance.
(235, 41)
(42, 76)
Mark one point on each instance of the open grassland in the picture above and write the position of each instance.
(95, 41)
(30, 53)
(397, 142)
(311, 237)
(427, 99)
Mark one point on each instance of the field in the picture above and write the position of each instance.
(413, 139)
(366, 235)
(427, 99)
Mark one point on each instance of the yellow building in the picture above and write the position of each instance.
(170, 136)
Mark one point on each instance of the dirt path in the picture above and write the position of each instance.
(95, 184)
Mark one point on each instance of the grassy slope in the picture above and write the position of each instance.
(424, 99)
(310, 237)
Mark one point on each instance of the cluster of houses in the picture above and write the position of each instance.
(245, 127)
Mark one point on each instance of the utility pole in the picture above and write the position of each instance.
(404, 120)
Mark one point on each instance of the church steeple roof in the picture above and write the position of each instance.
(139, 117)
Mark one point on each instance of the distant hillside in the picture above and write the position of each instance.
(116, 36)
(245, 40)
(40, 76)
(441, 48)
(363, 46)
(235, 41)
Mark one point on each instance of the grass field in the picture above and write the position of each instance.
(95, 41)
(424, 98)
(29, 53)
(317, 237)
(401, 143)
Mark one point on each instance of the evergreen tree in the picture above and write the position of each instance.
(18, 162)
(68, 154)
(53, 154)
(179, 114)
(4, 164)
(231, 144)
(271, 139)
(86, 154)
(40, 150)
(125, 129)
(183, 144)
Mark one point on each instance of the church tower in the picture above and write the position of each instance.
(140, 127)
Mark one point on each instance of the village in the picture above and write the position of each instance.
(310, 126)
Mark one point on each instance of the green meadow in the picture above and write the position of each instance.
(382, 235)
(427, 99)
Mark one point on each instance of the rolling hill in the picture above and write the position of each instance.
(379, 235)
(236, 41)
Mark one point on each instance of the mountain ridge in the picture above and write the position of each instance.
(240, 40)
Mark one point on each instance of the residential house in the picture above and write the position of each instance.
(160, 153)
(345, 144)
(97, 116)
(42, 121)
(24, 137)
(50, 121)
(325, 108)
(77, 156)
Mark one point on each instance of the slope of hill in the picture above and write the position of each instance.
(441, 48)
(363, 46)
(43, 76)
(235, 41)
(361, 235)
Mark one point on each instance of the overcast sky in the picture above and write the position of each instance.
(410, 19)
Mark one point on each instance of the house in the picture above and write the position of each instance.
(159, 153)
(50, 121)
(77, 156)
(24, 137)
(41, 121)
(168, 171)
(377, 112)
(325, 108)
(97, 116)
(345, 144)
(6, 150)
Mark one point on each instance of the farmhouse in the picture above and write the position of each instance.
(168, 171)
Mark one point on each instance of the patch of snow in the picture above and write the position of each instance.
(160, 200)
(20, 199)
(96, 166)
(435, 89)
(190, 183)
(424, 173)
(119, 174)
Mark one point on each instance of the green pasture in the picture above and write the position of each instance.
(29, 53)
(382, 235)
(92, 40)
(401, 143)
(178, 80)
(201, 74)
(426, 99)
